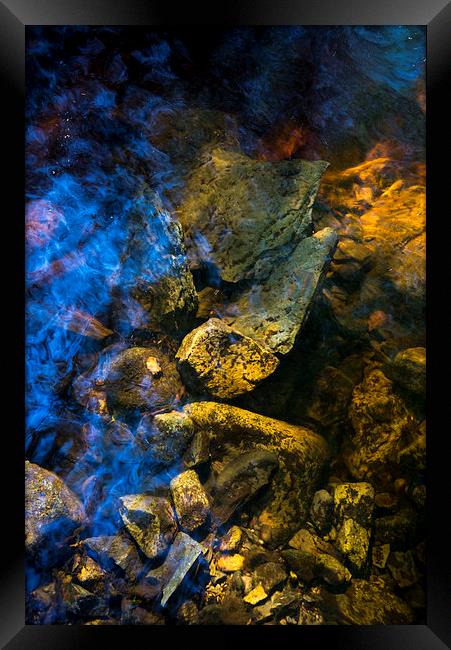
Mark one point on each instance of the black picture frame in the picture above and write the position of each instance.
(15, 15)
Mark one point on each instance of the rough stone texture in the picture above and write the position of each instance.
(191, 502)
(230, 563)
(166, 439)
(314, 558)
(380, 555)
(183, 553)
(231, 611)
(116, 550)
(321, 511)
(398, 530)
(273, 311)
(270, 575)
(52, 511)
(143, 378)
(231, 540)
(241, 215)
(402, 568)
(198, 451)
(156, 286)
(217, 359)
(256, 595)
(370, 602)
(354, 501)
(409, 370)
(382, 429)
(89, 574)
(300, 452)
(150, 521)
(239, 480)
(353, 541)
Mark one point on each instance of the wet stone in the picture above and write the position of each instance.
(231, 611)
(116, 550)
(191, 502)
(52, 511)
(182, 555)
(321, 511)
(380, 555)
(256, 595)
(353, 542)
(220, 361)
(150, 521)
(354, 501)
(402, 568)
(231, 540)
(230, 563)
(239, 480)
(270, 575)
(409, 370)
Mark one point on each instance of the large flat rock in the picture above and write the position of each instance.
(241, 215)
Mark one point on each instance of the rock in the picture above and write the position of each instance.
(354, 501)
(239, 481)
(181, 557)
(231, 611)
(164, 439)
(256, 595)
(409, 370)
(198, 451)
(402, 568)
(309, 564)
(187, 613)
(133, 614)
(155, 289)
(116, 550)
(353, 541)
(231, 540)
(243, 215)
(131, 382)
(42, 605)
(52, 511)
(218, 360)
(285, 603)
(89, 574)
(301, 455)
(321, 511)
(191, 503)
(310, 616)
(304, 540)
(399, 530)
(78, 602)
(380, 555)
(230, 563)
(382, 429)
(273, 312)
(150, 521)
(270, 575)
(370, 602)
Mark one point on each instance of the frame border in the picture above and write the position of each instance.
(15, 15)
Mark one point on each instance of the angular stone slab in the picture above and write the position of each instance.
(233, 431)
(219, 360)
(241, 215)
(273, 313)
(181, 557)
(51, 509)
(150, 521)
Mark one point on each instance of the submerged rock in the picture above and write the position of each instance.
(52, 511)
(301, 455)
(219, 360)
(165, 440)
(182, 555)
(270, 575)
(231, 611)
(382, 428)
(150, 521)
(409, 370)
(273, 310)
(116, 550)
(239, 480)
(156, 289)
(143, 378)
(370, 602)
(242, 215)
(353, 541)
(191, 502)
(321, 511)
(354, 501)
(314, 558)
